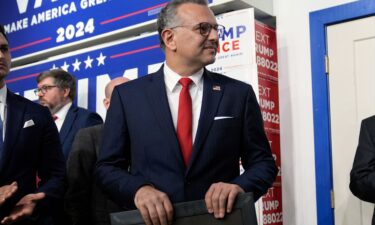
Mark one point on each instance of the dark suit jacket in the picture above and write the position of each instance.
(85, 202)
(29, 150)
(362, 176)
(139, 132)
(76, 119)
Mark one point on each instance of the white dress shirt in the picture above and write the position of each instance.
(61, 114)
(3, 107)
(173, 89)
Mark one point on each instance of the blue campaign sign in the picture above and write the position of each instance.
(36, 25)
(94, 68)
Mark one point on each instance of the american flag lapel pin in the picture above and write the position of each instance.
(216, 88)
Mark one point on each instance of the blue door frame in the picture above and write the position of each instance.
(319, 20)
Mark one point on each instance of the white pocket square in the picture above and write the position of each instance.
(223, 117)
(28, 123)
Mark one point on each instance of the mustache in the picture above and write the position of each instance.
(211, 44)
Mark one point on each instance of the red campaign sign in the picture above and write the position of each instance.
(269, 102)
(266, 58)
(274, 140)
(272, 207)
(266, 50)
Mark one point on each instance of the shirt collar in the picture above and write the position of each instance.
(171, 78)
(3, 94)
(61, 114)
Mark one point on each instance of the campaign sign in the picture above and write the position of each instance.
(236, 53)
(94, 68)
(36, 25)
(266, 59)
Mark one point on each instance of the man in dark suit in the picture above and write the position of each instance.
(183, 130)
(29, 144)
(57, 90)
(362, 176)
(84, 201)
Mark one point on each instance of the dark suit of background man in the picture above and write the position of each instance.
(84, 201)
(29, 144)
(362, 176)
(146, 130)
(56, 90)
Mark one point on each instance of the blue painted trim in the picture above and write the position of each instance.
(319, 20)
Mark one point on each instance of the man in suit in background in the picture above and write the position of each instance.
(29, 144)
(362, 176)
(183, 129)
(57, 90)
(84, 201)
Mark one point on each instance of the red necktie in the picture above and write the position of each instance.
(54, 117)
(184, 120)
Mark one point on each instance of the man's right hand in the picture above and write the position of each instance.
(154, 205)
(7, 191)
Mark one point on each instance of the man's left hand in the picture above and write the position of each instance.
(24, 208)
(220, 198)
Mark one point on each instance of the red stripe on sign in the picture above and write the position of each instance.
(134, 51)
(131, 14)
(30, 44)
(21, 78)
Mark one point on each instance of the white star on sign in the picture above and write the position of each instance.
(101, 59)
(65, 66)
(54, 67)
(88, 62)
(76, 65)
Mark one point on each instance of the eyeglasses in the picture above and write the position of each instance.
(205, 28)
(44, 89)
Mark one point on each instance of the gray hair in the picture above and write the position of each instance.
(168, 15)
(62, 79)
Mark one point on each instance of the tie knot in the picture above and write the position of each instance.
(54, 117)
(185, 82)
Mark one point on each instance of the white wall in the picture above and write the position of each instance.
(296, 115)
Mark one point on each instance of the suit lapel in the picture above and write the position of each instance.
(14, 123)
(158, 99)
(212, 93)
(68, 123)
